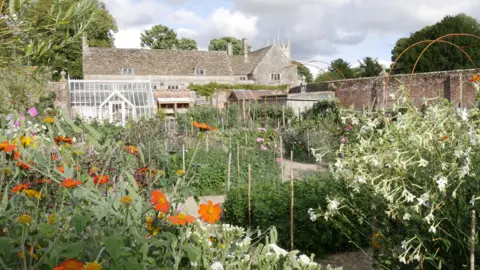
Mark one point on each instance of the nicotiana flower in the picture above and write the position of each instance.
(278, 250)
(422, 163)
(361, 180)
(406, 216)
(313, 216)
(304, 259)
(333, 205)
(442, 183)
(216, 266)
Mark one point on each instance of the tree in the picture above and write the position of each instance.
(302, 70)
(369, 67)
(99, 31)
(440, 56)
(187, 44)
(220, 44)
(159, 37)
(339, 69)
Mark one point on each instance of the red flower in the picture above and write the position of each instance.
(24, 165)
(59, 139)
(7, 147)
(54, 156)
(70, 264)
(16, 155)
(160, 201)
(18, 188)
(100, 180)
(181, 219)
(61, 169)
(70, 183)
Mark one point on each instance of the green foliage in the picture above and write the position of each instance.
(338, 69)
(369, 67)
(210, 88)
(187, 44)
(220, 44)
(302, 70)
(164, 38)
(159, 37)
(440, 56)
(271, 207)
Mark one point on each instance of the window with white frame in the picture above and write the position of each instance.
(127, 71)
(172, 87)
(275, 77)
(200, 71)
(243, 78)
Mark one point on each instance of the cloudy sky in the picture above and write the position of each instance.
(318, 29)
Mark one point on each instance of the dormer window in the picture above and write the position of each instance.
(275, 77)
(127, 71)
(200, 71)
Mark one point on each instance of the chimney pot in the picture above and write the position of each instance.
(245, 50)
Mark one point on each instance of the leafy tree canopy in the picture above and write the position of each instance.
(440, 56)
(302, 70)
(220, 44)
(159, 37)
(369, 67)
(187, 44)
(339, 69)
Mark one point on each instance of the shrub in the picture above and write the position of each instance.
(271, 207)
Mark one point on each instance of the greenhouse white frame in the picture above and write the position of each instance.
(114, 101)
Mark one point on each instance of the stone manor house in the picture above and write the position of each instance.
(176, 69)
(134, 82)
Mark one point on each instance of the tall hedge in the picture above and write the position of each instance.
(271, 207)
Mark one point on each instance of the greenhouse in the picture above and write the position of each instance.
(113, 101)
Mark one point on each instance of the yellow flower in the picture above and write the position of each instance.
(52, 219)
(49, 120)
(180, 172)
(26, 140)
(33, 193)
(93, 266)
(127, 200)
(25, 219)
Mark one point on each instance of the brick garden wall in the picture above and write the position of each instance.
(370, 92)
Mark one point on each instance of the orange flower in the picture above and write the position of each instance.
(7, 147)
(92, 171)
(131, 149)
(59, 139)
(16, 155)
(444, 138)
(181, 219)
(93, 266)
(61, 169)
(203, 126)
(24, 165)
(70, 264)
(44, 181)
(70, 183)
(101, 180)
(49, 120)
(54, 156)
(475, 78)
(160, 201)
(376, 241)
(18, 188)
(30, 252)
(210, 212)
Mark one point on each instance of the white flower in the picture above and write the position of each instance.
(409, 196)
(429, 218)
(304, 259)
(361, 180)
(422, 163)
(246, 258)
(432, 229)
(375, 162)
(442, 183)
(278, 250)
(313, 216)
(194, 264)
(216, 266)
(406, 216)
(333, 205)
(402, 259)
(404, 244)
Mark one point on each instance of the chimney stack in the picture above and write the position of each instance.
(229, 49)
(245, 50)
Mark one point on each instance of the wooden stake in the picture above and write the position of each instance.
(207, 142)
(249, 196)
(229, 169)
(283, 116)
(281, 158)
(265, 111)
(308, 141)
(292, 200)
(238, 162)
(183, 157)
(472, 239)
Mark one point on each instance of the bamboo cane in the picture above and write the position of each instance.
(292, 200)
(249, 196)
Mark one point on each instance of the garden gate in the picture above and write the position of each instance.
(114, 101)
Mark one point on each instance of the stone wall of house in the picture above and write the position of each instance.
(62, 93)
(275, 61)
(374, 93)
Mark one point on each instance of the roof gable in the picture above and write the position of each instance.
(239, 67)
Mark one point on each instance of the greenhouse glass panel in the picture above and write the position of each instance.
(114, 101)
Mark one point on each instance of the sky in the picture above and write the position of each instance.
(319, 30)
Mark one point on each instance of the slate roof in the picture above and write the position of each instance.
(239, 67)
(109, 61)
(250, 94)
